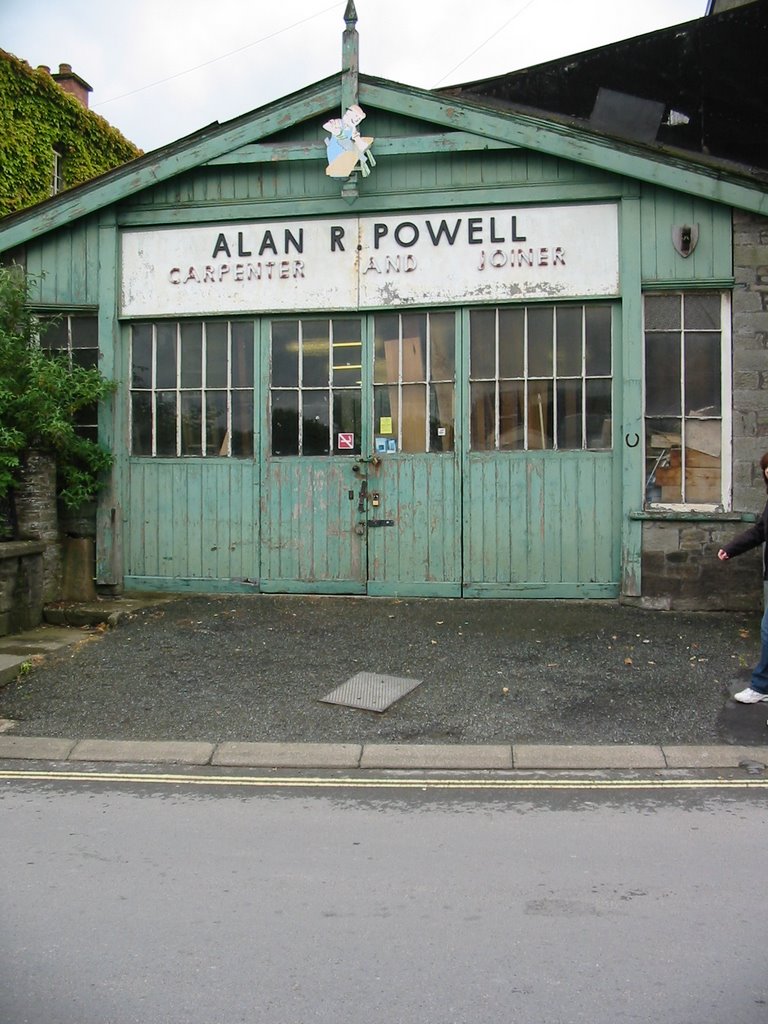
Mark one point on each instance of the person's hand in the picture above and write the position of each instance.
(723, 555)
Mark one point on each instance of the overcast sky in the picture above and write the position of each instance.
(161, 69)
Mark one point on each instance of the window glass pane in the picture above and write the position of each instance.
(386, 335)
(85, 332)
(441, 417)
(141, 424)
(662, 313)
(483, 416)
(216, 346)
(285, 354)
(88, 358)
(285, 423)
(662, 375)
(347, 417)
(242, 355)
(316, 425)
(702, 312)
(540, 336)
(598, 340)
(87, 416)
(414, 349)
(702, 374)
(482, 354)
(54, 332)
(347, 352)
(242, 424)
(191, 355)
(442, 339)
(191, 422)
(166, 423)
(569, 415)
(385, 412)
(599, 414)
(141, 356)
(702, 461)
(569, 362)
(512, 415)
(315, 353)
(216, 435)
(166, 356)
(663, 456)
(511, 342)
(540, 415)
(414, 419)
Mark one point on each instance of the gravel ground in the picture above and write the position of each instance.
(254, 667)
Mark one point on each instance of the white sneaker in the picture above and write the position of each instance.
(750, 696)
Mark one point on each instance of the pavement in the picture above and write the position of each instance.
(244, 681)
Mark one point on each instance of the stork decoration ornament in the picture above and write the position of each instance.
(347, 148)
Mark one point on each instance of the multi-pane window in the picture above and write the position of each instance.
(77, 335)
(684, 398)
(414, 382)
(541, 378)
(315, 392)
(192, 388)
(57, 172)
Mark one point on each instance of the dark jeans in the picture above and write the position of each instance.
(760, 673)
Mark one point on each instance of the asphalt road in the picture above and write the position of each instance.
(177, 900)
(254, 668)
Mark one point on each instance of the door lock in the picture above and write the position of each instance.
(375, 499)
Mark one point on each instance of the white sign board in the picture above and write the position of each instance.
(350, 263)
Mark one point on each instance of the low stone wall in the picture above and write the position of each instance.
(21, 585)
(681, 570)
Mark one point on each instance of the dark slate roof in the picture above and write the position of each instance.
(701, 87)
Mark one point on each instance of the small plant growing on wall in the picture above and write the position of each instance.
(41, 394)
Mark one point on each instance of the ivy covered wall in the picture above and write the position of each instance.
(38, 116)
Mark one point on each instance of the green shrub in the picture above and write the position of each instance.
(40, 395)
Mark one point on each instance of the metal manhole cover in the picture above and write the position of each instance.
(371, 691)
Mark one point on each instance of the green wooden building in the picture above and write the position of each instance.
(498, 355)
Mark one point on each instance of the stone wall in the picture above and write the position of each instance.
(21, 585)
(37, 516)
(750, 359)
(680, 567)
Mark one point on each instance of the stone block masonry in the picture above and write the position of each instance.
(37, 516)
(21, 585)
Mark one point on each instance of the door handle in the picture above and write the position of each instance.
(363, 496)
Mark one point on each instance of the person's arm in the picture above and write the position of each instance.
(745, 541)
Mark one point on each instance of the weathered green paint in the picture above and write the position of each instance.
(191, 519)
(308, 524)
(629, 375)
(540, 522)
(660, 211)
(438, 142)
(421, 552)
(111, 413)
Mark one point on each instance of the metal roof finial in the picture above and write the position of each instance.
(350, 58)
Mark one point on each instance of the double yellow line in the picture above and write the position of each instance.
(368, 782)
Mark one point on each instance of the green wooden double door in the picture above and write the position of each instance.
(439, 453)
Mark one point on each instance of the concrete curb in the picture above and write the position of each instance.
(142, 751)
(352, 756)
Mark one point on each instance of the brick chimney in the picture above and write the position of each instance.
(72, 83)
